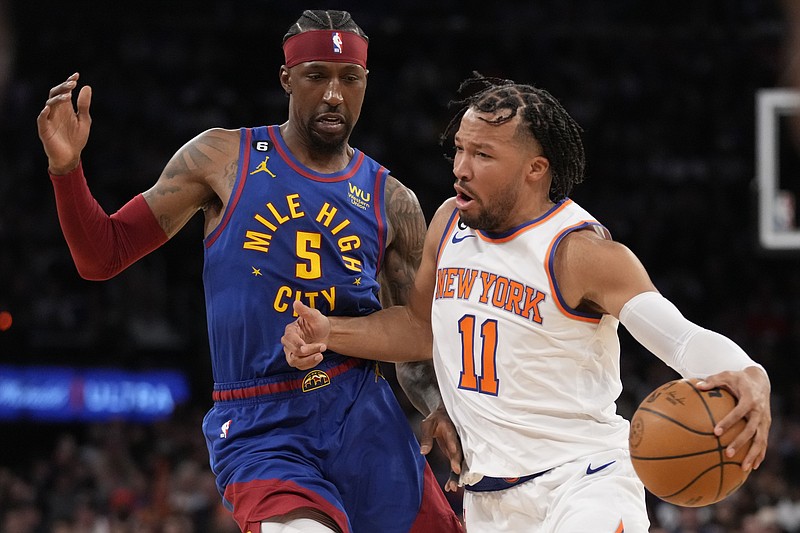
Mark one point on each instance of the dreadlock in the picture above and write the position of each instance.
(318, 19)
(543, 117)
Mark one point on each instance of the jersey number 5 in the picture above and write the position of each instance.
(487, 382)
(305, 246)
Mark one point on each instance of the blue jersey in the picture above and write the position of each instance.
(327, 439)
(288, 233)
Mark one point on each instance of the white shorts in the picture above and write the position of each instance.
(599, 493)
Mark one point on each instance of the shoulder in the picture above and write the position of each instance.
(396, 192)
(588, 245)
(219, 138)
(595, 271)
(406, 221)
(440, 220)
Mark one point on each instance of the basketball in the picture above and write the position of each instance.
(674, 450)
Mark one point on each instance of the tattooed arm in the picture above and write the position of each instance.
(403, 254)
(418, 379)
(198, 177)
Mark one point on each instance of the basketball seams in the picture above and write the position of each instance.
(720, 448)
(675, 428)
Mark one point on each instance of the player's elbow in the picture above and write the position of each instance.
(96, 271)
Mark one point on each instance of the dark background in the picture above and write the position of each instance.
(665, 92)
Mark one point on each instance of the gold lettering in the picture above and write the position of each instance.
(352, 263)
(349, 243)
(294, 205)
(340, 227)
(258, 241)
(266, 222)
(330, 296)
(280, 218)
(327, 213)
(282, 294)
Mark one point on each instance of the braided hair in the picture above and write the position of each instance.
(542, 117)
(319, 19)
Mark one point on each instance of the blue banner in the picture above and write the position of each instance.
(62, 394)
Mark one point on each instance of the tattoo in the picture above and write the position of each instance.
(407, 237)
(166, 224)
(403, 255)
(230, 174)
(195, 163)
(197, 154)
(418, 381)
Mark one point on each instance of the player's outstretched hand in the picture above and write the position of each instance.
(63, 131)
(304, 340)
(438, 425)
(752, 389)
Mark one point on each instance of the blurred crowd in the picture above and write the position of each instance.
(664, 91)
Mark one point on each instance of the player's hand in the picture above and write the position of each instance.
(63, 131)
(752, 389)
(438, 425)
(304, 339)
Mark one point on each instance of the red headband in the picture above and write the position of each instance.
(326, 45)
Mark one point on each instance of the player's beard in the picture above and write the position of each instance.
(329, 144)
(494, 217)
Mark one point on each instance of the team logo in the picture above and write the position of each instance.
(316, 379)
(225, 427)
(262, 167)
(337, 43)
(461, 227)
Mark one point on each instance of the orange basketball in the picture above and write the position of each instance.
(674, 449)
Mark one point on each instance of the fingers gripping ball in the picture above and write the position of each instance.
(674, 450)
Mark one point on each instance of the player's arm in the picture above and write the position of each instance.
(400, 333)
(103, 245)
(600, 275)
(404, 255)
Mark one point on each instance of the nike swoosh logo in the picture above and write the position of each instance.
(590, 470)
(457, 239)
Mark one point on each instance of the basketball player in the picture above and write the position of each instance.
(520, 292)
(292, 211)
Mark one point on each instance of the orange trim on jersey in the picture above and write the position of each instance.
(452, 223)
(620, 528)
(548, 268)
(534, 223)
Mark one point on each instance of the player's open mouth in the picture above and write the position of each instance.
(330, 120)
(463, 200)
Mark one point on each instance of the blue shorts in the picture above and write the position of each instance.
(334, 440)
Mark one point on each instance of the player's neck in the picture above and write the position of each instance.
(326, 161)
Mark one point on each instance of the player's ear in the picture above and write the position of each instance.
(285, 79)
(538, 167)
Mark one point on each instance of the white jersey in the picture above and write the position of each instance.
(529, 383)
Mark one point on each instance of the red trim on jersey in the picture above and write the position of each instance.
(255, 501)
(377, 194)
(280, 386)
(302, 170)
(244, 158)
